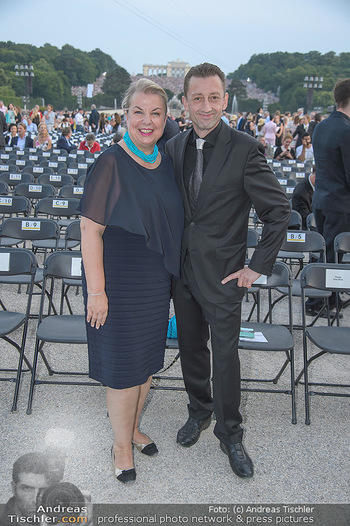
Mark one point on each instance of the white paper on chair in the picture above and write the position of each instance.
(76, 267)
(5, 262)
(258, 338)
(339, 279)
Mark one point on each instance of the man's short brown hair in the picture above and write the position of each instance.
(341, 93)
(203, 71)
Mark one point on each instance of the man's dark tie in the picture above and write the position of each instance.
(197, 175)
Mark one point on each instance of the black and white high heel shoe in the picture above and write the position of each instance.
(149, 449)
(126, 476)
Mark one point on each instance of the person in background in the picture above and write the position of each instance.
(31, 127)
(102, 124)
(94, 118)
(49, 118)
(171, 128)
(90, 144)
(270, 132)
(279, 129)
(64, 142)
(302, 197)
(21, 141)
(305, 151)
(13, 133)
(79, 121)
(43, 139)
(285, 151)
(3, 129)
(10, 114)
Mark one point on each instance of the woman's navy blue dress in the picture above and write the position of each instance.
(143, 213)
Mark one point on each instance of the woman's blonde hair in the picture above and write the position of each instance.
(144, 86)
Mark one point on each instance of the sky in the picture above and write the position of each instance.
(136, 32)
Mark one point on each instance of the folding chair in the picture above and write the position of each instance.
(4, 188)
(13, 206)
(35, 191)
(302, 243)
(64, 211)
(72, 240)
(71, 190)
(330, 277)
(58, 329)
(14, 179)
(56, 180)
(275, 338)
(15, 262)
(342, 254)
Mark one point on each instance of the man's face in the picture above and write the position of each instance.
(90, 143)
(27, 490)
(205, 102)
(21, 131)
(306, 141)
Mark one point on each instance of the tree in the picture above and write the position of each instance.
(116, 83)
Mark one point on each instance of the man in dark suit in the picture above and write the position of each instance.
(302, 197)
(21, 140)
(3, 128)
(94, 118)
(64, 142)
(213, 277)
(331, 142)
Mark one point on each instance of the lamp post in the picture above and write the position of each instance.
(26, 71)
(311, 83)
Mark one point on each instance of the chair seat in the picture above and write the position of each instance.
(9, 241)
(310, 293)
(23, 279)
(10, 321)
(278, 337)
(334, 340)
(290, 255)
(72, 282)
(51, 244)
(63, 329)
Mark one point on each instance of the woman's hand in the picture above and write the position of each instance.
(97, 310)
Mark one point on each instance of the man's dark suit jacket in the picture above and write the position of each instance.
(299, 131)
(3, 128)
(28, 143)
(62, 144)
(93, 119)
(216, 234)
(331, 143)
(302, 200)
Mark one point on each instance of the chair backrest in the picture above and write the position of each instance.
(252, 238)
(326, 276)
(295, 220)
(4, 188)
(58, 207)
(63, 264)
(35, 190)
(311, 223)
(56, 180)
(16, 261)
(13, 179)
(303, 241)
(341, 245)
(15, 204)
(30, 228)
(73, 232)
(71, 190)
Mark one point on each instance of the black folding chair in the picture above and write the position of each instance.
(15, 262)
(330, 340)
(58, 329)
(270, 337)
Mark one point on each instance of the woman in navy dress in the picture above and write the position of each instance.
(132, 222)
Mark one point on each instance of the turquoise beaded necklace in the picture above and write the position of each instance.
(151, 158)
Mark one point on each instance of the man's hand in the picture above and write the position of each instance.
(245, 277)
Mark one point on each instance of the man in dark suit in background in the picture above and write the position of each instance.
(64, 142)
(21, 140)
(331, 142)
(3, 128)
(213, 277)
(94, 118)
(302, 197)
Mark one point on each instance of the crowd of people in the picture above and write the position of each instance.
(284, 136)
(33, 129)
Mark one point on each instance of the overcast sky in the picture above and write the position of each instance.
(226, 32)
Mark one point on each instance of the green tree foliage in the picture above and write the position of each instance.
(284, 73)
(116, 83)
(56, 70)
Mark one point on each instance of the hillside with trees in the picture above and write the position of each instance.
(55, 70)
(284, 73)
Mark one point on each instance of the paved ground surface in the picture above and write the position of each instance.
(293, 463)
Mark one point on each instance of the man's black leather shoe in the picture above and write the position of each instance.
(190, 432)
(240, 461)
